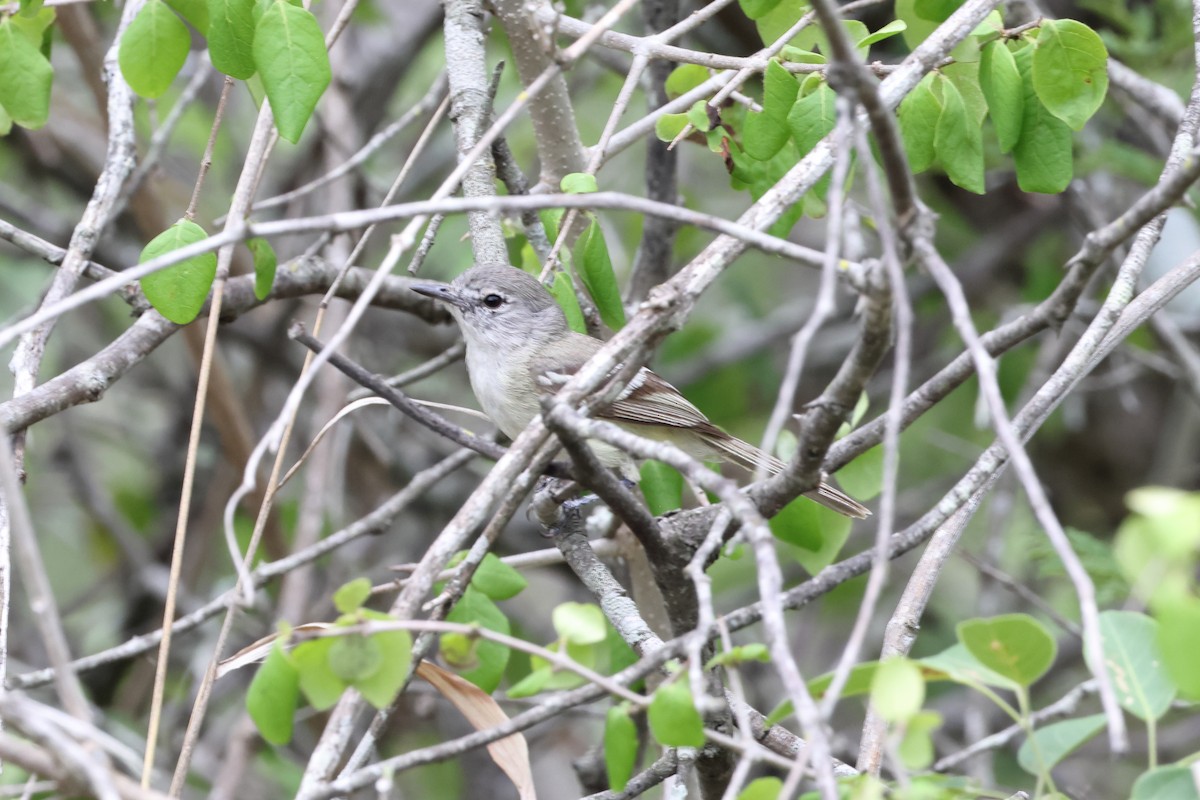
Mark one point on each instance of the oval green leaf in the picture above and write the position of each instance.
(350, 596)
(563, 291)
(25, 78)
(580, 623)
(353, 658)
(265, 265)
(381, 687)
(673, 717)
(1166, 783)
(178, 292)
(289, 54)
(919, 114)
(1134, 663)
(490, 658)
(762, 789)
(194, 11)
(153, 49)
(620, 747)
(1016, 646)
(1056, 741)
(578, 183)
(1043, 153)
(1001, 83)
(320, 684)
(272, 697)
(897, 690)
(231, 37)
(1070, 70)
(662, 487)
(497, 580)
(683, 79)
(958, 141)
(596, 272)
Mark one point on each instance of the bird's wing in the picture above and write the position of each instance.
(647, 400)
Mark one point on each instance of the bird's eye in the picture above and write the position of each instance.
(493, 301)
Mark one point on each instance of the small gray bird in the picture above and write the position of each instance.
(520, 347)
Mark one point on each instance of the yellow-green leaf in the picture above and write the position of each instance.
(25, 78)
(231, 37)
(289, 53)
(153, 49)
(178, 292)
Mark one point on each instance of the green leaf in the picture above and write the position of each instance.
(777, 21)
(662, 486)
(761, 789)
(265, 264)
(919, 113)
(740, 655)
(25, 78)
(596, 271)
(320, 684)
(1179, 643)
(1166, 783)
(698, 116)
(811, 120)
(580, 623)
(959, 141)
(757, 8)
(673, 717)
(684, 78)
(798, 523)
(497, 580)
(762, 136)
(30, 7)
(862, 478)
(272, 697)
(380, 688)
(897, 690)
(893, 28)
(669, 126)
(1015, 645)
(355, 657)
(620, 747)
(6, 122)
(289, 53)
(231, 37)
(1070, 70)
(936, 10)
(780, 88)
(178, 292)
(1131, 656)
(965, 77)
(563, 291)
(350, 596)
(1001, 83)
(194, 11)
(153, 49)
(36, 28)
(834, 530)
(490, 658)
(916, 748)
(861, 678)
(1043, 153)
(578, 183)
(531, 684)
(958, 664)
(1057, 741)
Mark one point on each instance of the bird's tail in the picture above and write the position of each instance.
(750, 457)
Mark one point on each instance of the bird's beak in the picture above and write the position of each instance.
(440, 291)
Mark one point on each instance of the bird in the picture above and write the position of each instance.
(520, 348)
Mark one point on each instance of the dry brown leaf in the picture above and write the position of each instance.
(511, 753)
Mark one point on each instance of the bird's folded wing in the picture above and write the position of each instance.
(647, 400)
